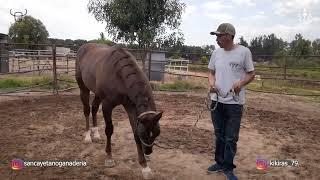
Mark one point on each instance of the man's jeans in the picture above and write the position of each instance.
(226, 120)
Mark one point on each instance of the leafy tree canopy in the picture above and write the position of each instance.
(140, 21)
(28, 30)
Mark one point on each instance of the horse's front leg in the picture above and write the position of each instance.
(142, 159)
(95, 107)
(146, 171)
(107, 113)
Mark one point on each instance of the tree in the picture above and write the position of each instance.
(243, 42)
(316, 47)
(208, 49)
(273, 45)
(256, 45)
(300, 46)
(56, 41)
(69, 42)
(102, 40)
(80, 42)
(140, 21)
(172, 41)
(28, 30)
(267, 45)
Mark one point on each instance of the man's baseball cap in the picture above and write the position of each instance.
(224, 28)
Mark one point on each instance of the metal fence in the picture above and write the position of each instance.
(55, 61)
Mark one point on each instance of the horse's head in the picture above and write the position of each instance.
(148, 129)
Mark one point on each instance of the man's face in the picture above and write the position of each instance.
(223, 40)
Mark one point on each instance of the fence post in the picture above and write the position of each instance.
(285, 68)
(38, 63)
(67, 64)
(54, 70)
(1, 55)
(149, 68)
(19, 64)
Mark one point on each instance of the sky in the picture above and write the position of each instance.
(69, 19)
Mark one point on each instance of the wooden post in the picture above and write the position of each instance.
(19, 64)
(2, 58)
(67, 64)
(54, 70)
(285, 68)
(149, 68)
(38, 61)
(13, 61)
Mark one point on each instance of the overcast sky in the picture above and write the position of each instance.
(69, 19)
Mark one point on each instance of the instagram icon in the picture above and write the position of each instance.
(17, 164)
(262, 164)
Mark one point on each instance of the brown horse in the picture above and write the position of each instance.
(113, 75)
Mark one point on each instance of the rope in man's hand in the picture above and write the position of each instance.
(218, 93)
(207, 103)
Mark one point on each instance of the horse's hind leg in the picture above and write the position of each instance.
(95, 107)
(85, 95)
(107, 112)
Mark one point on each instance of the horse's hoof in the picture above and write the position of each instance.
(147, 157)
(147, 173)
(109, 163)
(87, 138)
(95, 133)
(96, 138)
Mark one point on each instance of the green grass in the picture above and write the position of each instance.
(198, 68)
(309, 74)
(281, 86)
(10, 83)
(194, 84)
(287, 87)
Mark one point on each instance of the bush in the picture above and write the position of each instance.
(204, 60)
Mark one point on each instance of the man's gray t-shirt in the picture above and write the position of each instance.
(230, 67)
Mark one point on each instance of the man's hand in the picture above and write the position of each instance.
(237, 86)
(212, 89)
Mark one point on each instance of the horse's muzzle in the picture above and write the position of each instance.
(147, 150)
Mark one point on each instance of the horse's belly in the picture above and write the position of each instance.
(89, 82)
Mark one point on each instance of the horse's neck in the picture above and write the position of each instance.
(144, 102)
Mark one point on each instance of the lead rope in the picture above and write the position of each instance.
(207, 102)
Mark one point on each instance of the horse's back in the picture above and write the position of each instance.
(89, 52)
(109, 70)
(89, 58)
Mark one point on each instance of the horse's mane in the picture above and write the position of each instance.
(131, 75)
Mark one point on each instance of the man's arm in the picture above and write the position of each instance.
(212, 80)
(247, 79)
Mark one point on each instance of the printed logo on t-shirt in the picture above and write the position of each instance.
(235, 66)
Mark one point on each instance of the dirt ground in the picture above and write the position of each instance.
(51, 128)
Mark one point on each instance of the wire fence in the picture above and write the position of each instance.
(57, 63)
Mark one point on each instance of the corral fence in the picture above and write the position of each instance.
(57, 63)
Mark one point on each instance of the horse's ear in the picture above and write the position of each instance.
(158, 116)
(150, 118)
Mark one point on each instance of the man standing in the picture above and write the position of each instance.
(231, 68)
